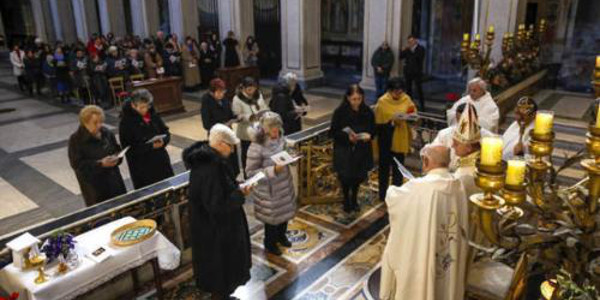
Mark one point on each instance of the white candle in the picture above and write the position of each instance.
(543, 122)
(491, 150)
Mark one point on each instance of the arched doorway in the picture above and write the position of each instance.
(342, 24)
(17, 18)
(267, 27)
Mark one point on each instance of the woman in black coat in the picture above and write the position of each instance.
(92, 155)
(282, 104)
(352, 128)
(148, 162)
(215, 107)
(218, 227)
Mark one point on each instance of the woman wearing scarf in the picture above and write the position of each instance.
(247, 105)
(393, 132)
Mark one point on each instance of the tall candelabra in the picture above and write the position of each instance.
(476, 55)
(596, 77)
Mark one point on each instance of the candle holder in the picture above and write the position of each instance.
(596, 79)
(490, 179)
(540, 146)
(592, 166)
(514, 195)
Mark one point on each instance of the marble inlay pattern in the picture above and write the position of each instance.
(12, 201)
(305, 236)
(334, 213)
(342, 281)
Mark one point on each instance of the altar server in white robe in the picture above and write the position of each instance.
(445, 136)
(516, 137)
(486, 107)
(425, 256)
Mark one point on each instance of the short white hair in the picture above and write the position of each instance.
(112, 49)
(222, 133)
(289, 77)
(437, 154)
(479, 81)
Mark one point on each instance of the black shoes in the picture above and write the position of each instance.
(285, 243)
(273, 249)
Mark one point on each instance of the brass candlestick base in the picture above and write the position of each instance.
(41, 276)
(592, 166)
(596, 85)
(513, 197)
(490, 179)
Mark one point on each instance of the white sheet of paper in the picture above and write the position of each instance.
(160, 70)
(405, 172)
(253, 180)
(156, 138)
(363, 136)
(348, 130)
(283, 158)
(122, 153)
(99, 254)
(302, 109)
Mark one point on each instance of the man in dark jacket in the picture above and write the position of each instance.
(282, 104)
(145, 132)
(414, 55)
(117, 65)
(33, 72)
(93, 153)
(218, 227)
(382, 62)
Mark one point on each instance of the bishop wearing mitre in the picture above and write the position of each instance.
(425, 256)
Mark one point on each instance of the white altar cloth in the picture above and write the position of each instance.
(89, 274)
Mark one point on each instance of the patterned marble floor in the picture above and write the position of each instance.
(333, 252)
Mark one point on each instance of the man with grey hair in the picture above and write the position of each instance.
(218, 230)
(425, 256)
(481, 99)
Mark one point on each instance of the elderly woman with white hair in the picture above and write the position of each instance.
(117, 64)
(274, 198)
(289, 102)
(93, 156)
(481, 99)
(218, 230)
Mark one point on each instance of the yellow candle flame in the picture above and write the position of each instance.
(515, 172)
(491, 150)
(543, 122)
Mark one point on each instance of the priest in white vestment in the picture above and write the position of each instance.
(445, 136)
(486, 107)
(425, 256)
(516, 137)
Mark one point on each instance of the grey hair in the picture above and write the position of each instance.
(222, 133)
(288, 78)
(142, 95)
(479, 81)
(258, 132)
(437, 154)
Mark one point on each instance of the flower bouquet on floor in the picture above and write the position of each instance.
(57, 244)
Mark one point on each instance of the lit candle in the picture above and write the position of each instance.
(598, 61)
(491, 150)
(477, 37)
(515, 172)
(598, 118)
(465, 37)
(521, 26)
(491, 29)
(543, 122)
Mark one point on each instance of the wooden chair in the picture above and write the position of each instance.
(492, 280)
(117, 87)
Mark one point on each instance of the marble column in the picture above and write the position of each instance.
(237, 16)
(383, 24)
(38, 16)
(184, 18)
(301, 39)
(63, 20)
(86, 18)
(502, 15)
(144, 16)
(112, 17)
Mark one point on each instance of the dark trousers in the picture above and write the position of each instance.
(36, 81)
(380, 84)
(416, 79)
(22, 81)
(350, 191)
(275, 234)
(386, 160)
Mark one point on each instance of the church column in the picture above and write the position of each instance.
(184, 18)
(112, 17)
(86, 18)
(39, 18)
(63, 20)
(383, 24)
(237, 16)
(500, 14)
(301, 39)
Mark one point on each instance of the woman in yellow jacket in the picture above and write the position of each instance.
(393, 132)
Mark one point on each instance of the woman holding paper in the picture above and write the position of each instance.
(93, 151)
(274, 198)
(352, 128)
(145, 132)
(392, 111)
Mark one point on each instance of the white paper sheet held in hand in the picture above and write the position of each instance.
(405, 172)
(122, 153)
(283, 158)
(302, 109)
(254, 180)
(156, 138)
(361, 136)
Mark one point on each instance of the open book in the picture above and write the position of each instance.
(254, 180)
(405, 117)
(405, 172)
(156, 138)
(363, 136)
(283, 158)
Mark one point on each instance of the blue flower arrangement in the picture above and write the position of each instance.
(58, 243)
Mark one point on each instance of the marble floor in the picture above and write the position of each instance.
(333, 253)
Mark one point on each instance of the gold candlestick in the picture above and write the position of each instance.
(490, 179)
(592, 166)
(540, 146)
